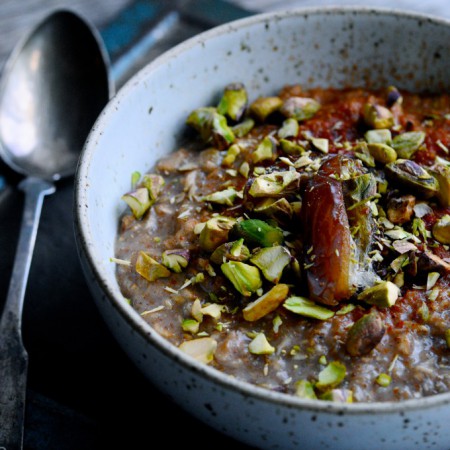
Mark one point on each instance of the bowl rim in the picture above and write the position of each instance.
(134, 320)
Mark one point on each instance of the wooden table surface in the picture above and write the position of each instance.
(84, 393)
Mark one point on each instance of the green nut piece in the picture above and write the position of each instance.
(381, 136)
(365, 334)
(230, 157)
(244, 127)
(215, 232)
(150, 269)
(258, 232)
(441, 230)
(406, 144)
(382, 153)
(291, 147)
(305, 389)
(383, 294)
(266, 150)
(244, 277)
(289, 128)
(413, 176)
(331, 376)
(376, 116)
(201, 349)
(300, 108)
(338, 395)
(305, 307)
(272, 261)
(260, 345)
(262, 107)
(154, 184)
(273, 184)
(233, 102)
(224, 197)
(278, 209)
(230, 251)
(442, 174)
(176, 260)
(139, 201)
(265, 304)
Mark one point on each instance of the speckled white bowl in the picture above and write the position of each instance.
(326, 47)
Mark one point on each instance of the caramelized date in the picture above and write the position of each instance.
(327, 239)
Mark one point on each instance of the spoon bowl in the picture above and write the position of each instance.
(54, 86)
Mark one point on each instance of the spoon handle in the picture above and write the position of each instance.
(13, 356)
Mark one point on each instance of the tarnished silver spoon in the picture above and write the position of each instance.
(53, 87)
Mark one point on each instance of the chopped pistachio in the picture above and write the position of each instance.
(349, 307)
(279, 209)
(323, 360)
(215, 232)
(262, 107)
(291, 147)
(213, 310)
(412, 175)
(320, 144)
(244, 277)
(272, 261)
(277, 322)
(244, 127)
(266, 150)
(139, 201)
(365, 334)
(400, 209)
(230, 157)
(382, 153)
(289, 128)
(273, 184)
(331, 376)
(258, 232)
(383, 379)
(211, 126)
(299, 108)
(224, 197)
(305, 389)
(442, 174)
(424, 312)
(377, 116)
(393, 96)
(196, 310)
(135, 177)
(149, 268)
(176, 260)
(244, 169)
(362, 152)
(190, 326)
(154, 184)
(260, 345)
(307, 308)
(432, 278)
(381, 136)
(266, 303)
(338, 395)
(441, 229)
(406, 144)
(383, 294)
(201, 349)
(233, 102)
(234, 251)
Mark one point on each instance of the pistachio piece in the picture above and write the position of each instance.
(262, 107)
(258, 232)
(441, 230)
(406, 144)
(299, 108)
(383, 379)
(320, 144)
(305, 389)
(201, 349)
(149, 268)
(442, 174)
(190, 326)
(429, 262)
(382, 153)
(393, 96)
(365, 334)
(139, 201)
(233, 102)
(176, 260)
(211, 126)
(230, 251)
(272, 261)
(267, 303)
(377, 116)
(362, 152)
(331, 376)
(291, 147)
(224, 197)
(383, 294)
(381, 136)
(260, 345)
(400, 209)
(273, 184)
(154, 183)
(244, 277)
(244, 127)
(411, 175)
(215, 232)
(278, 209)
(307, 308)
(230, 157)
(266, 150)
(289, 128)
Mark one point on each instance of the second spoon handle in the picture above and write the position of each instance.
(13, 356)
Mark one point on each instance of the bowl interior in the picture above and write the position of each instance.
(326, 48)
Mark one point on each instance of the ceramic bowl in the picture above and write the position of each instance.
(333, 47)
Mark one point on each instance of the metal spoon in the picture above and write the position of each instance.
(54, 85)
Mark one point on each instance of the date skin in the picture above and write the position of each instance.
(327, 238)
